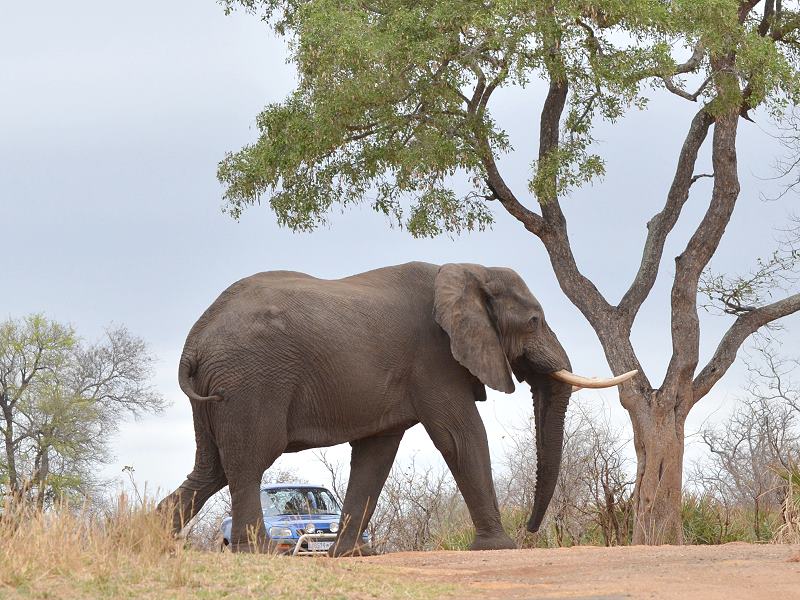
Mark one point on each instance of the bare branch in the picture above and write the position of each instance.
(699, 176)
(661, 224)
(701, 247)
(742, 328)
(689, 66)
(693, 62)
(744, 293)
(670, 85)
(334, 469)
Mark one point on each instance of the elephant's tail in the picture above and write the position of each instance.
(186, 369)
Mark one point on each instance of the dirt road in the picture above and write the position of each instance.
(729, 572)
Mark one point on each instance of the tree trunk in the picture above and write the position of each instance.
(658, 439)
(11, 462)
(756, 518)
(42, 475)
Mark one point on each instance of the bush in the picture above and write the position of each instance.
(789, 530)
(97, 547)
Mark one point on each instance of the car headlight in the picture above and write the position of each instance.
(310, 528)
(280, 532)
(334, 527)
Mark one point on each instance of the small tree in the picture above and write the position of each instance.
(747, 451)
(593, 491)
(754, 448)
(62, 399)
(394, 102)
(417, 507)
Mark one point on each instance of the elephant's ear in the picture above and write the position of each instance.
(460, 307)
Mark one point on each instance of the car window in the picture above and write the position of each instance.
(298, 501)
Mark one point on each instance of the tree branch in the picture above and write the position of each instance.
(579, 289)
(693, 61)
(745, 7)
(661, 224)
(494, 180)
(700, 176)
(742, 328)
(701, 247)
(766, 21)
(529, 219)
(551, 228)
(670, 85)
(614, 335)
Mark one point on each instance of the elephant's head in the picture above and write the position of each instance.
(497, 328)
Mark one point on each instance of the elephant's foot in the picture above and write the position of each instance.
(358, 550)
(496, 541)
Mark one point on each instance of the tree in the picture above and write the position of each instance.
(418, 506)
(594, 485)
(757, 445)
(394, 101)
(749, 452)
(61, 401)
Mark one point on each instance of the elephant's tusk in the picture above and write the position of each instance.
(579, 382)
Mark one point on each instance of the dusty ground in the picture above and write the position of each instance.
(727, 572)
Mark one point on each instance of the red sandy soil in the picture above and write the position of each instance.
(727, 572)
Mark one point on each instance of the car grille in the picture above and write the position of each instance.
(319, 530)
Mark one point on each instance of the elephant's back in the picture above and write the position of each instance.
(230, 300)
(289, 303)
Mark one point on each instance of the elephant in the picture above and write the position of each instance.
(283, 361)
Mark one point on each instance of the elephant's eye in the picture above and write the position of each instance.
(533, 322)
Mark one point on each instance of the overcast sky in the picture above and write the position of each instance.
(113, 118)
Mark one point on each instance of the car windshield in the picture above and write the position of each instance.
(298, 501)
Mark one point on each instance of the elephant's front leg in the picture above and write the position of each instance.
(458, 433)
(370, 462)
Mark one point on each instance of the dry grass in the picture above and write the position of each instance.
(127, 552)
(789, 532)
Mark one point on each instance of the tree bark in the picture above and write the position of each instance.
(42, 474)
(8, 437)
(658, 440)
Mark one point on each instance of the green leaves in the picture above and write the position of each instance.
(440, 210)
(568, 167)
(377, 113)
(393, 103)
(61, 399)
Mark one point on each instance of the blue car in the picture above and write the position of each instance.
(299, 518)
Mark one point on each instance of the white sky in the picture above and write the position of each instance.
(113, 118)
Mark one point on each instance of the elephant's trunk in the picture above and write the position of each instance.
(550, 399)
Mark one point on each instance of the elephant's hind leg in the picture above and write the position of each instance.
(458, 433)
(370, 462)
(205, 480)
(248, 533)
(249, 448)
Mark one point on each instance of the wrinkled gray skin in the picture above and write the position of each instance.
(282, 362)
